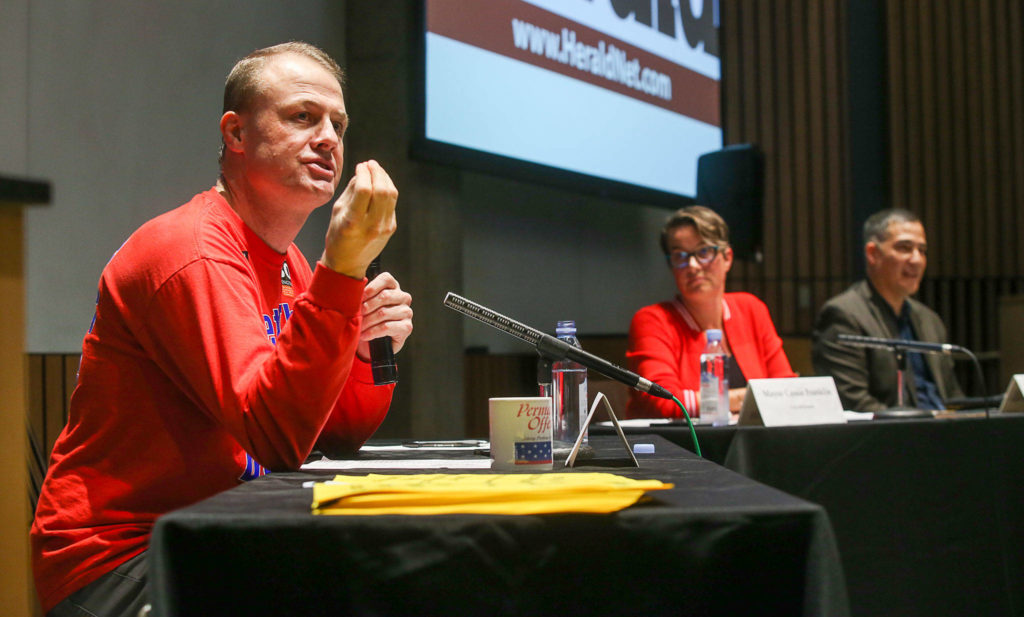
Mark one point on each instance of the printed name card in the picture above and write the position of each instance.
(792, 401)
(1013, 401)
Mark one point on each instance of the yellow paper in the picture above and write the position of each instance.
(479, 493)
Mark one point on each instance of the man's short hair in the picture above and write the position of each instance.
(710, 227)
(876, 228)
(245, 81)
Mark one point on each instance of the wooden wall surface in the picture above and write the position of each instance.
(954, 87)
(956, 112)
(51, 379)
(784, 69)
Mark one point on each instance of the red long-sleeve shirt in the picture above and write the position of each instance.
(665, 344)
(210, 357)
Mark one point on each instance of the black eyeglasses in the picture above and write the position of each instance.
(704, 255)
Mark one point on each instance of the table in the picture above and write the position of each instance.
(928, 514)
(717, 544)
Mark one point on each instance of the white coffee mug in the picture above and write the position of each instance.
(520, 432)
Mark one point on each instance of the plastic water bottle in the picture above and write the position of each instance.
(569, 390)
(714, 381)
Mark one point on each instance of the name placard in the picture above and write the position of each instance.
(1013, 401)
(791, 401)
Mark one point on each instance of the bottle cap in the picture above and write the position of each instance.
(643, 448)
(567, 326)
(714, 334)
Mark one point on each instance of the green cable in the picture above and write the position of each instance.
(693, 433)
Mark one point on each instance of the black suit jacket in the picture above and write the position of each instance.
(866, 378)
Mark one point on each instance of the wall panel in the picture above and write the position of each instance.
(956, 106)
(954, 82)
(784, 91)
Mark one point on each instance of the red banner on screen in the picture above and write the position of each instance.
(530, 34)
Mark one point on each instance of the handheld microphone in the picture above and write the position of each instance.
(853, 340)
(551, 347)
(382, 355)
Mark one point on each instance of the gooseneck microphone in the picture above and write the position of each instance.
(901, 345)
(551, 347)
(382, 354)
(853, 340)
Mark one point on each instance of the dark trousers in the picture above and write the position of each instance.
(118, 593)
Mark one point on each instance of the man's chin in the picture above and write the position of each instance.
(911, 289)
(322, 191)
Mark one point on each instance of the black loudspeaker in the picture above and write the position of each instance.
(731, 182)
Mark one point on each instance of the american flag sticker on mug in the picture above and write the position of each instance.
(533, 452)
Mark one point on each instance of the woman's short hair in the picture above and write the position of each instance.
(710, 227)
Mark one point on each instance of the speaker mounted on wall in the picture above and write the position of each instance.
(730, 181)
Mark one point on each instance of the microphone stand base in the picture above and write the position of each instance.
(902, 413)
(560, 451)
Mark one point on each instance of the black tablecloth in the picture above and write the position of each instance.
(928, 514)
(716, 544)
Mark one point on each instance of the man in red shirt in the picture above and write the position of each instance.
(215, 353)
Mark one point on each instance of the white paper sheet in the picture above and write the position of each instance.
(636, 422)
(457, 445)
(423, 463)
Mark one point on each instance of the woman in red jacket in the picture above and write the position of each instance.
(666, 339)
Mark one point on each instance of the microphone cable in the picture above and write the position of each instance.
(979, 374)
(689, 423)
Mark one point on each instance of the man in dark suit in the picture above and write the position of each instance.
(896, 253)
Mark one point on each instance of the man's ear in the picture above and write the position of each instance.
(231, 130)
(871, 253)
